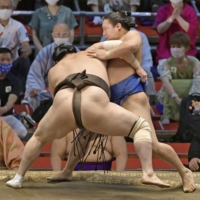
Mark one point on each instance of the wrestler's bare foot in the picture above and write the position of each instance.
(152, 179)
(60, 177)
(188, 181)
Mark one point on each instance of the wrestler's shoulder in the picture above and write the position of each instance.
(132, 33)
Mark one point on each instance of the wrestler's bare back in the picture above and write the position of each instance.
(76, 63)
(118, 69)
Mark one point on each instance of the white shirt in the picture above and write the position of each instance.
(12, 35)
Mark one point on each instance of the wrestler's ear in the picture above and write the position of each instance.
(118, 26)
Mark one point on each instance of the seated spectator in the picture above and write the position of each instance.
(104, 5)
(11, 147)
(12, 34)
(44, 19)
(61, 149)
(194, 154)
(9, 92)
(37, 81)
(172, 17)
(147, 62)
(179, 75)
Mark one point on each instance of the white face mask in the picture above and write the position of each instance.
(5, 14)
(59, 41)
(177, 52)
(52, 2)
(175, 1)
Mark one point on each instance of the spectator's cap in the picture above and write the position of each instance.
(61, 51)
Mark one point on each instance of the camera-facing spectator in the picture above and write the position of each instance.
(44, 19)
(13, 34)
(37, 81)
(179, 75)
(9, 92)
(172, 17)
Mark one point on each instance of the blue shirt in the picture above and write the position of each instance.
(43, 22)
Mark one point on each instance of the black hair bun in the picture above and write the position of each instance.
(61, 51)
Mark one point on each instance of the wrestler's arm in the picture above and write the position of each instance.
(110, 45)
(58, 150)
(119, 153)
(131, 43)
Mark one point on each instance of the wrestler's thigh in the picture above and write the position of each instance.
(102, 116)
(139, 104)
(59, 119)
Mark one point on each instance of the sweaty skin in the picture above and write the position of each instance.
(138, 103)
(59, 120)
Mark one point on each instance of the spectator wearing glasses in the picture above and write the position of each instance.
(37, 81)
(13, 34)
(44, 19)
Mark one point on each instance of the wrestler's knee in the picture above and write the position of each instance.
(141, 131)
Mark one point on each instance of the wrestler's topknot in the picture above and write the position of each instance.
(123, 17)
(61, 51)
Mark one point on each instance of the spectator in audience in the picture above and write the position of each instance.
(102, 5)
(61, 149)
(194, 154)
(44, 19)
(11, 147)
(37, 81)
(147, 62)
(172, 17)
(13, 33)
(9, 92)
(179, 75)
